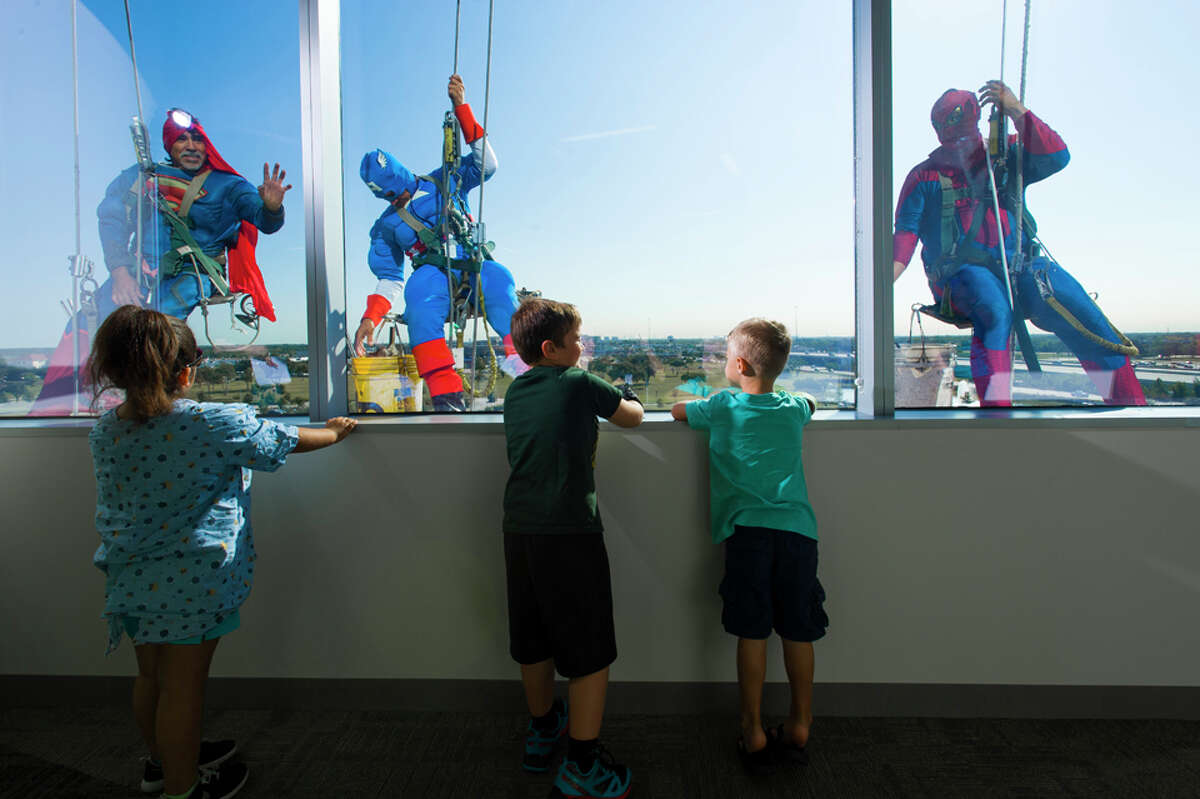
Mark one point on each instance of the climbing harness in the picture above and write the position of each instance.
(188, 257)
(1007, 191)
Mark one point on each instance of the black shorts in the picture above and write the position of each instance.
(560, 601)
(771, 583)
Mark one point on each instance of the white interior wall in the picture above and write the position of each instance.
(951, 553)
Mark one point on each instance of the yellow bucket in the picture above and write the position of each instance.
(386, 384)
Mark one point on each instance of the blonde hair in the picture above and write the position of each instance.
(142, 353)
(764, 343)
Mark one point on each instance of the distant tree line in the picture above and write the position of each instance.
(18, 383)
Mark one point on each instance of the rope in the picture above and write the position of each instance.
(1024, 50)
(137, 92)
(487, 94)
(1020, 172)
(916, 317)
(457, 19)
(1125, 347)
(493, 364)
(1003, 34)
(137, 86)
(78, 236)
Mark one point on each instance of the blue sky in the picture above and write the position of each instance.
(671, 167)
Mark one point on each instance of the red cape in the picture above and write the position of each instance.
(244, 274)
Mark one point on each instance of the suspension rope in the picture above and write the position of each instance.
(75, 259)
(1024, 50)
(482, 229)
(457, 20)
(139, 132)
(487, 92)
(448, 147)
(1020, 171)
(1003, 34)
(137, 86)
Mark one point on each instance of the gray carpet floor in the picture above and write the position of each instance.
(93, 752)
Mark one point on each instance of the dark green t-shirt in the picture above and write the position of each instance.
(551, 427)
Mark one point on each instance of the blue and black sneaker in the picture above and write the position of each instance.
(606, 779)
(540, 743)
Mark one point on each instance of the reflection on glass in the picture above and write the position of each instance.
(454, 279)
(651, 177)
(992, 282)
(1033, 329)
(177, 232)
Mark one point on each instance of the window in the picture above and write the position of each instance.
(241, 85)
(1109, 222)
(670, 168)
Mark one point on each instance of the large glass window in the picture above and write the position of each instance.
(670, 168)
(1101, 270)
(239, 84)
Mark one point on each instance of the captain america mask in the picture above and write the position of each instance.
(386, 177)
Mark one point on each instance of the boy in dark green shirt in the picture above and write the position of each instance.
(559, 589)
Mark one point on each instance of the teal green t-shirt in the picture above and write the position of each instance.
(756, 476)
(551, 428)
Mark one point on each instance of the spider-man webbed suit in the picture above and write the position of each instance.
(946, 203)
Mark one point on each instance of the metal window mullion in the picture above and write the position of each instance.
(325, 261)
(875, 361)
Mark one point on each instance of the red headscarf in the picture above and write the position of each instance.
(244, 274)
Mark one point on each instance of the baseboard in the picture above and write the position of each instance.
(653, 698)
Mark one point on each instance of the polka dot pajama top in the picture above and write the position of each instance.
(173, 513)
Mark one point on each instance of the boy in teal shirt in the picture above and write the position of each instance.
(760, 509)
(560, 612)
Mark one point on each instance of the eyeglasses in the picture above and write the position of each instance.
(182, 118)
(199, 359)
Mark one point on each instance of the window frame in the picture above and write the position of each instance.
(325, 267)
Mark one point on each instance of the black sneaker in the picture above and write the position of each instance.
(539, 744)
(221, 783)
(212, 754)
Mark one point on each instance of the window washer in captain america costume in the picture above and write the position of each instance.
(416, 207)
(202, 227)
(946, 203)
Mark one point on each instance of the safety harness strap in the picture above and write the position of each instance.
(201, 258)
(427, 236)
(433, 246)
(193, 191)
(958, 251)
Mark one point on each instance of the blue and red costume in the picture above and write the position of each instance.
(224, 220)
(976, 291)
(426, 295)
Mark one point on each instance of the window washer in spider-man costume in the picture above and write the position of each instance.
(222, 213)
(946, 203)
(416, 206)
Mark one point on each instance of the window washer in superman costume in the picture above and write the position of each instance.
(946, 203)
(413, 218)
(201, 221)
